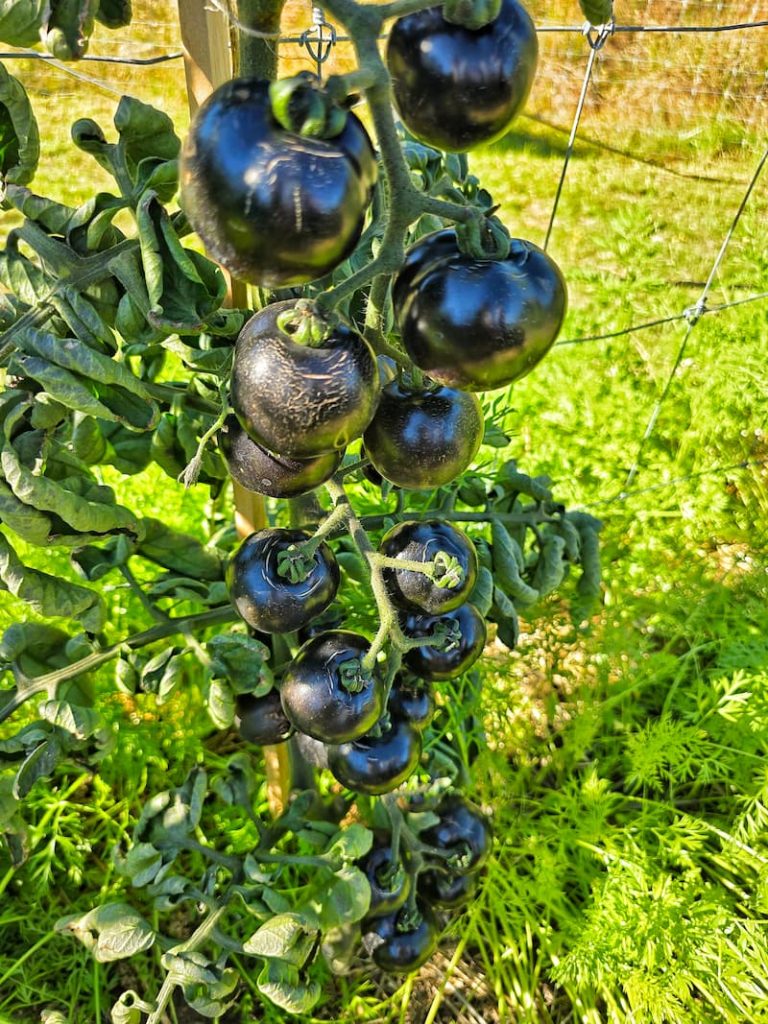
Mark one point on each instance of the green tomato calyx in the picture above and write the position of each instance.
(447, 636)
(306, 325)
(293, 564)
(471, 14)
(483, 238)
(299, 106)
(353, 678)
(447, 571)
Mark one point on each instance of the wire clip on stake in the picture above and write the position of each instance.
(319, 40)
(597, 35)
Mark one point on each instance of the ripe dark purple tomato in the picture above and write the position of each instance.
(389, 881)
(412, 699)
(425, 541)
(273, 207)
(445, 890)
(276, 476)
(377, 764)
(262, 720)
(421, 438)
(325, 692)
(455, 87)
(267, 599)
(462, 831)
(467, 632)
(399, 945)
(297, 399)
(478, 324)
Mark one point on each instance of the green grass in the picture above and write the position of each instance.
(626, 754)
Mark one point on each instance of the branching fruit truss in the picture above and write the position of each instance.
(388, 301)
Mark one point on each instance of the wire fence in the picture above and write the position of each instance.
(677, 64)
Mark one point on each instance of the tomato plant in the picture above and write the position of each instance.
(343, 609)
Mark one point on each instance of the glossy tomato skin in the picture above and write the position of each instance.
(447, 891)
(273, 207)
(454, 87)
(480, 324)
(400, 949)
(300, 401)
(420, 541)
(377, 764)
(413, 700)
(264, 598)
(462, 830)
(262, 720)
(277, 476)
(389, 881)
(433, 663)
(423, 438)
(315, 698)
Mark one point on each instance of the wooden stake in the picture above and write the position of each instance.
(208, 49)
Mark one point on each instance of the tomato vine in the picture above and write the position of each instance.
(119, 351)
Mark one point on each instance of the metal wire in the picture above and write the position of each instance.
(693, 318)
(218, 6)
(685, 315)
(138, 61)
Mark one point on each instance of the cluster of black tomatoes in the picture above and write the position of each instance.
(346, 717)
(400, 931)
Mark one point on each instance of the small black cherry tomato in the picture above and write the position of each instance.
(463, 831)
(401, 942)
(389, 881)
(276, 476)
(466, 634)
(455, 87)
(377, 764)
(425, 541)
(478, 324)
(412, 699)
(423, 437)
(272, 206)
(325, 692)
(264, 596)
(262, 720)
(298, 399)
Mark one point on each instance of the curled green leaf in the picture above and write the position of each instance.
(19, 136)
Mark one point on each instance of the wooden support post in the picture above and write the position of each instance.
(208, 47)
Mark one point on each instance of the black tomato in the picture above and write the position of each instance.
(277, 476)
(479, 324)
(300, 400)
(421, 438)
(265, 598)
(426, 541)
(462, 831)
(466, 633)
(398, 945)
(273, 207)
(455, 87)
(412, 699)
(377, 764)
(447, 891)
(389, 880)
(325, 692)
(262, 720)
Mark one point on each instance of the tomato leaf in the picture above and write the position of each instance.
(114, 931)
(19, 136)
(283, 984)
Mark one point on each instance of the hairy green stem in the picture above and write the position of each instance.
(406, 203)
(196, 939)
